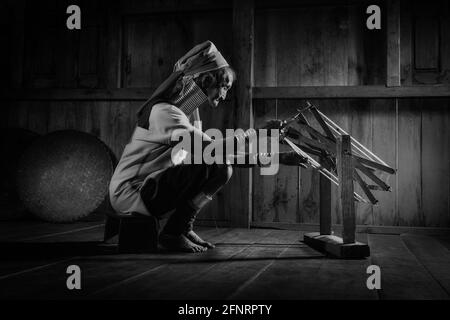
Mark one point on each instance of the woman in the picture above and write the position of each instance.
(150, 178)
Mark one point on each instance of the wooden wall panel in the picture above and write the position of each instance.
(326, 45)
(37, 117)
(264, 189)
(410, 206)
(265, 67)
(92, 58)
(435, 162)
(56, 57)
(333, 48)
(89, 57)
(384, 145)
(265, 204)
(15, 47)
(111, 122)
(153, 43)
(362, 129)
(17, 114)
(307, 46)
(393, 48)
(412, 136)
(425, 42)
(290, 51)
(286, 197)
(445, 43)
(355, 41)
(289, 71)
(239, 195)
(339, 49)
(423, 177)
(295, 46)
(6, 34)
(406, 41)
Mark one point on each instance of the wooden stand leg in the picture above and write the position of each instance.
(345, 247)
(345, 193)
(325, 203)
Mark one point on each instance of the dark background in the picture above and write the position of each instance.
(389, 88)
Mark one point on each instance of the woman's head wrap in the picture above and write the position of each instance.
(202, 58)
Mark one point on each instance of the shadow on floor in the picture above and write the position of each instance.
(26, 251)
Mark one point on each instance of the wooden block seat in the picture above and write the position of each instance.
(133, 232)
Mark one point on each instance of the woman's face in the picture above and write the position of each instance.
(219, 93)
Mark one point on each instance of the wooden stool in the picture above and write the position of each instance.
(134, 233)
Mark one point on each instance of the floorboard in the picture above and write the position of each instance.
(33, 230)
(47, 246)
(444, 240)
(402, 276)
(433, 256)
(97, 272)
(230, 278)
(292, 276)
(246, 264)
(174, 279)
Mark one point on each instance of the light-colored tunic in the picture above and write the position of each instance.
(147, 155)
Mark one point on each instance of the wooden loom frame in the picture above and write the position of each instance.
(343, 160)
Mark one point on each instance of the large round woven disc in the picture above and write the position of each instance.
(64, 175)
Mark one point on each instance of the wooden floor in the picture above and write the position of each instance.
(246, 264)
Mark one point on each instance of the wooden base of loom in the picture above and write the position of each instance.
(325, 241)
(334, 246)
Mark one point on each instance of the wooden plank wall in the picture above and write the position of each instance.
(425, 42)
(134, 44)
(329, 45)
(309, 46)
(413, 137)
(123, 45)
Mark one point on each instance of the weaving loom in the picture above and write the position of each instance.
(342, 160)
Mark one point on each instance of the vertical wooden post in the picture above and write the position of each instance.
(239, 191)
(325, 203)
(346, 200)
(393, 77)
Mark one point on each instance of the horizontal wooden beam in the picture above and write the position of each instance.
(319, 92)
(313, 227)
(172, 7)
(186, 6)
(122, 94)
(330, 92)
(284, 5)
(139, 94)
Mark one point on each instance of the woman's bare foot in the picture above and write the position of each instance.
(195, 238)
(179, 243)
